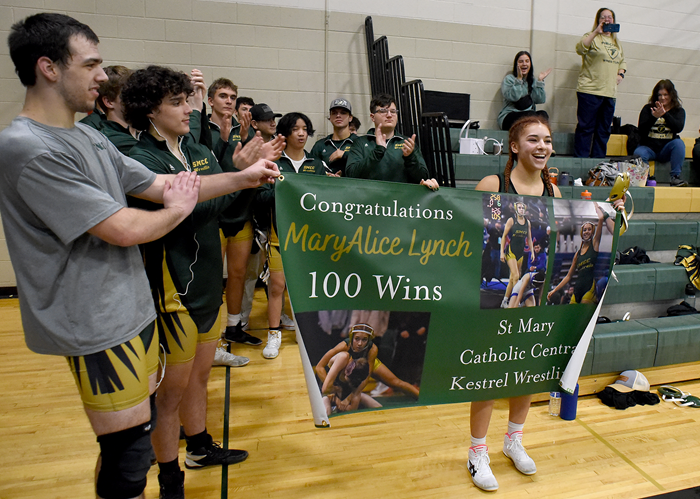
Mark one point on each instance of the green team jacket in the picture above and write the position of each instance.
(240, 211)
(185, 265)
(115, 133)
(121, 137)
(368, 160)
(265, 198)
(323, 148)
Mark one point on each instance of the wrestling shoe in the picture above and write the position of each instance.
(274, 340)
(172, 486)
(513, 449)
(286, 322)
(479, 469)
(213, 455)
(224, 358)
(235, 334)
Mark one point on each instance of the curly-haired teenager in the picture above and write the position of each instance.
(184, 270)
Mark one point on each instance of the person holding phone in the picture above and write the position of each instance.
(603, 68)
(521, 92)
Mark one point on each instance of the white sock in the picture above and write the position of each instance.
(233, 319)
(513, 427)
(477, 441)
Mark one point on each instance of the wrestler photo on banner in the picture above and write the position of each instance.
(583, 252)
(365, 359)
(514, 254)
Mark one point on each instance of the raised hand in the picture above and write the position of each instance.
(182, 193)
(409, 145)
(273, 150)
(544, 74)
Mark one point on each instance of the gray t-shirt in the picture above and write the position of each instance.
(78, 294)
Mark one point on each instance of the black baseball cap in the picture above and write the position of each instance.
(263, 112)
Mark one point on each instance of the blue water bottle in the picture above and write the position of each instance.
(569, 401)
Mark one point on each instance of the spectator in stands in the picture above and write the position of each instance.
(108, 117)
(296, 128)
(603, 68)
(521, 92)
(660, 122)
(263, 121)
(333, 149)
(385, 155)
(355, 125)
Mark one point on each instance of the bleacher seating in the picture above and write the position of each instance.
(645, 290)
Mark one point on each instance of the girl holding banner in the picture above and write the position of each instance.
(526, 173)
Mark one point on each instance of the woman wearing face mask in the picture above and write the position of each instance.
(660, 122)
(521, 92)
(603, 67)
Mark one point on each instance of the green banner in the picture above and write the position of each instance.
(424, 269)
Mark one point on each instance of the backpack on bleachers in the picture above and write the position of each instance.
(687, 255)
(604, 173)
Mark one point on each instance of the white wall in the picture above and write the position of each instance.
(297, 55)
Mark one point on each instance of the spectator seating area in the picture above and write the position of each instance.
(666, 349)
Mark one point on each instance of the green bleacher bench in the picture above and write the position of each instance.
(678, 338)
(619, 346)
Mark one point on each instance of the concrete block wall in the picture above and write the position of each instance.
(297, 55)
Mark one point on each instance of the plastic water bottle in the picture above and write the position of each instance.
(554, 403)
(690, 294)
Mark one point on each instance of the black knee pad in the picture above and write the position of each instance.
(126, 459)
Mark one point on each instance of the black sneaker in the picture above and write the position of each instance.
(237, 335)
(172, 486)
(678, 182)
(213, 455)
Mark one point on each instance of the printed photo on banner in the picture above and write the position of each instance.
(515, 249)
(366, 359)
(582, 260)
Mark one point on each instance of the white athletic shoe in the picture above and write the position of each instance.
(224, 358)
(379, 389)
(274, 340)
(513, 449)
(286, 322)
(479, 469)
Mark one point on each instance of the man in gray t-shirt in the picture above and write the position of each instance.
(72, 239)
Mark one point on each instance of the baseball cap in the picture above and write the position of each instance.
(263, 112)
(629, 381)
(341, 103)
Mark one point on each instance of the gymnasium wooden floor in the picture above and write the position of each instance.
(49, 451)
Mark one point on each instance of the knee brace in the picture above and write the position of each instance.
(126, 459)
